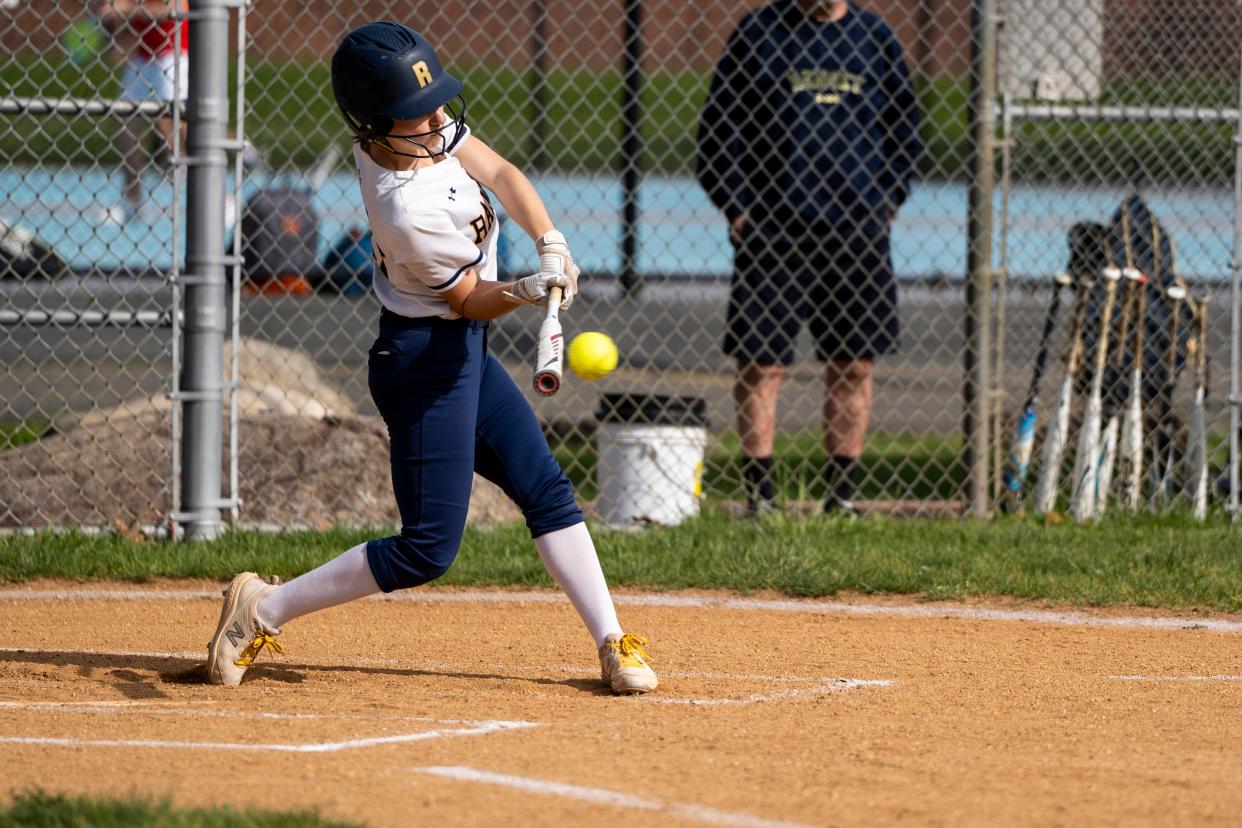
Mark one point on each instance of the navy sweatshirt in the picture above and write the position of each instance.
(810, 119)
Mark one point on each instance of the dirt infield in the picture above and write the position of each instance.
(462, 708)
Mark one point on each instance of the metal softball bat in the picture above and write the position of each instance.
(550, 351)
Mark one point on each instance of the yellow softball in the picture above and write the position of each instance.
(592, 355)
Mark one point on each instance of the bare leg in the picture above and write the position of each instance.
(847, 406)
(755, 393)
(847, 409)
(133, 157)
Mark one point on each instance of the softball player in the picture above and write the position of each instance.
(450, 408)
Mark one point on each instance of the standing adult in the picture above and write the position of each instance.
(807, 143)
(157, 69)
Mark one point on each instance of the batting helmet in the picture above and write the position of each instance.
(384, 71)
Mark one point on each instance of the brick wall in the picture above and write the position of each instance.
(1194, 36)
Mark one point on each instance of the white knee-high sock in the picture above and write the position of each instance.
(569, 555)
(346, 577)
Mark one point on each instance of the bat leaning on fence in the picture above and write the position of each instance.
(1135, 283)
(1196, 439)
(550, 351)
(1057, 431)
(1130, 471)
(1163, 446)
(1082, 492)
(1024, 429)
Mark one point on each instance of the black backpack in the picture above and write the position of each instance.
(1134, 237)
(280, 233)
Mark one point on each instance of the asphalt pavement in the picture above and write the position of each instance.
(668, 336)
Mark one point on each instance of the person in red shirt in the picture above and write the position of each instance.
(157, 69)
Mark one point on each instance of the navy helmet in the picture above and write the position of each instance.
(385, 71)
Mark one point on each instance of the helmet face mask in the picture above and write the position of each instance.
(430, 143)
(385, 72)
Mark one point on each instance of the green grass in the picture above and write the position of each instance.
(19, 433)
(894, 466)
(292, 118)
(1167, 561)
(37, 809)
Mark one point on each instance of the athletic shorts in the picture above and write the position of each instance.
(835, 279)
(151, 79)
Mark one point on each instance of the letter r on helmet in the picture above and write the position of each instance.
(422, 74)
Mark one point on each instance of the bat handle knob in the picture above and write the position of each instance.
(547, 383)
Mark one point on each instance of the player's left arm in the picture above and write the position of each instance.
(520, 198)
(523, 204)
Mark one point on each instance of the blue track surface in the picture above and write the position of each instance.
(679, 231)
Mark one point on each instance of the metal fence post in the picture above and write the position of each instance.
(631, 141)
(202, 379)
(1235, 316)
(976, 398)
(539, 86)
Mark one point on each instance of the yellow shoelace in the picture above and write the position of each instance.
(255, 647)
(631, 649)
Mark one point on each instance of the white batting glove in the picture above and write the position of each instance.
(533, 289)
(555, 260)
(556, 269)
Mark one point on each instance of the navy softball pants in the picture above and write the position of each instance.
(452, 410)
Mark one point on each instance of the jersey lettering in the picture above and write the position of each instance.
(829, 84)
(483, 224)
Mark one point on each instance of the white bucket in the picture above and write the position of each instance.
(650, 466)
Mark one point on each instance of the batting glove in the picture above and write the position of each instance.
(555, 260)
(533, 289)
(556, 269)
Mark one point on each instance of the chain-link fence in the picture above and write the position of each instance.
(604, 106)
(1125, 115)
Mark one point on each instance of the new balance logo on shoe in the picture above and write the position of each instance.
(235, 634)
(240, 636)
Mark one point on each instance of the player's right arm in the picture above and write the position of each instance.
(476, 298)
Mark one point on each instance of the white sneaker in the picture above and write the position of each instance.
(623, 665)
(240, 636)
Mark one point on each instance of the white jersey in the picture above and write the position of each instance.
(428, 227)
